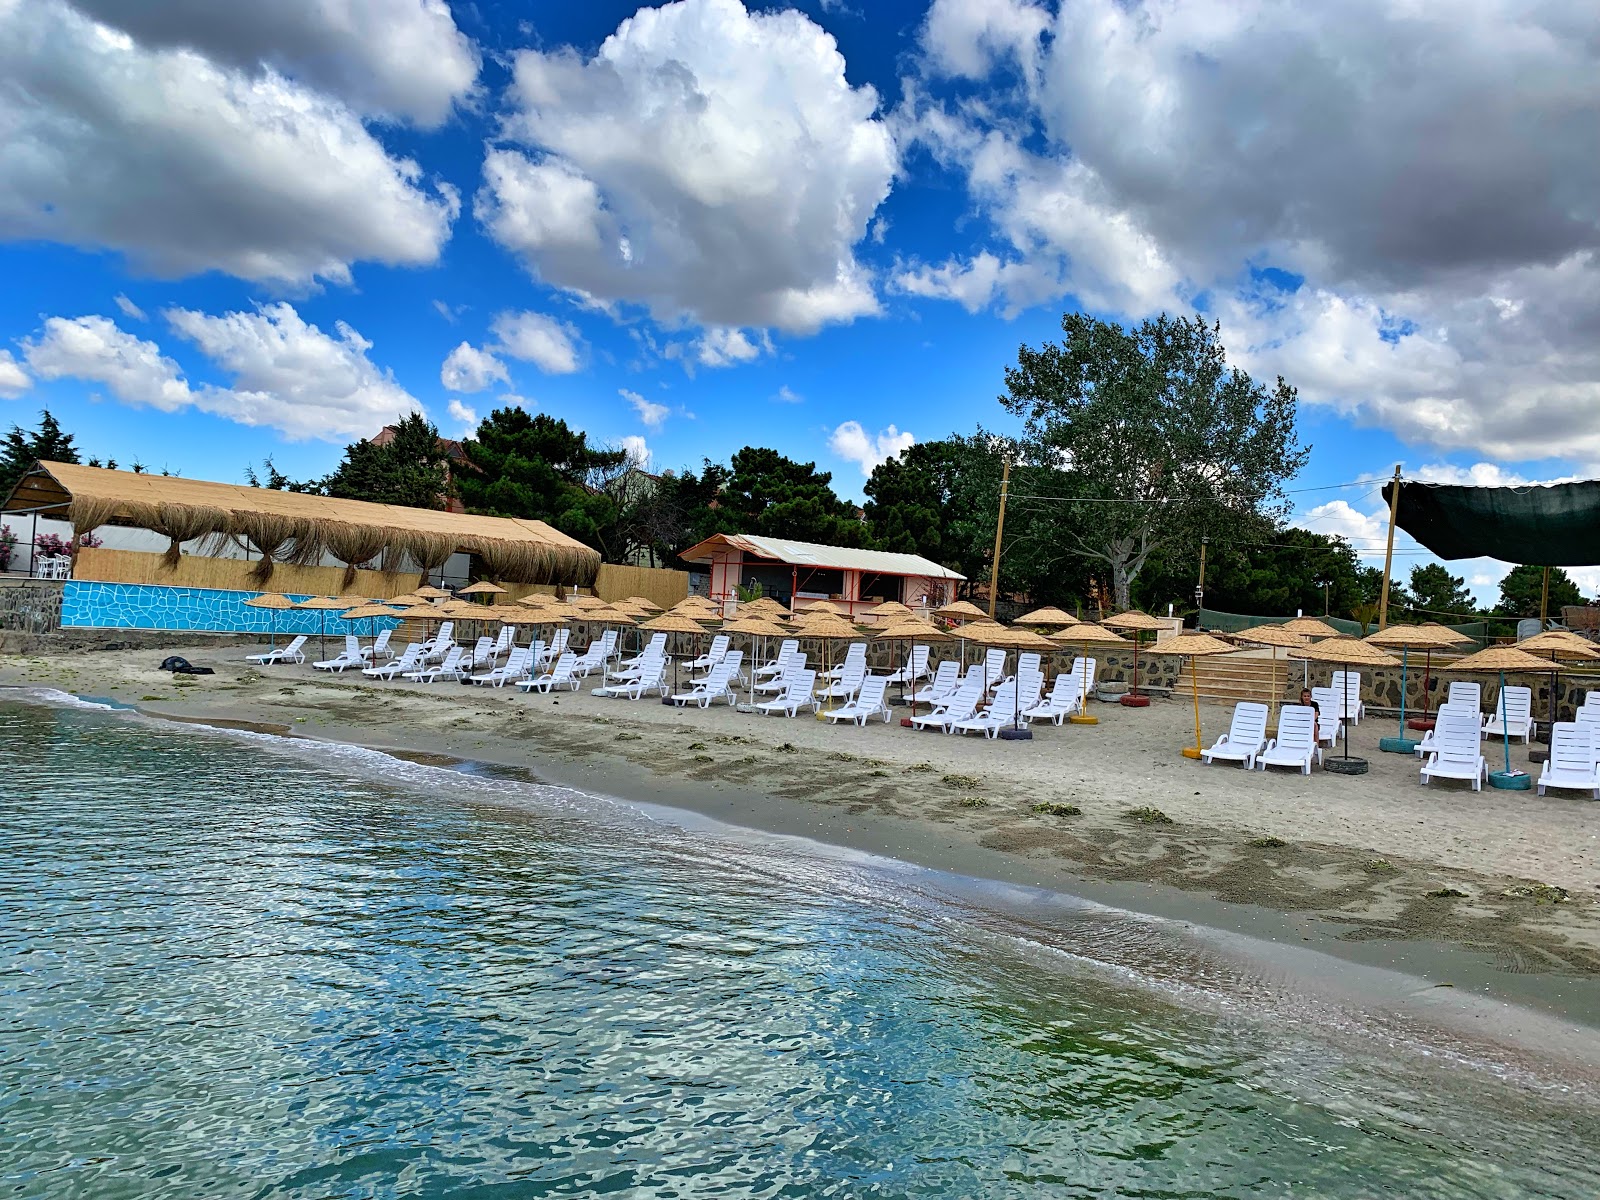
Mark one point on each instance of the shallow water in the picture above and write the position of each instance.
(233, 967)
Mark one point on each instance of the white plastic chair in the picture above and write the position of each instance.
(379, 648)
(1455, 755)
(855, 657)
(1347, 688)
(1246, 736)
(716, 686)
(559, 675)
(409, 660)
(1002, 711)
(429, 672)
(556, 648)
(1573, 759)
(796, 695)
(1459, 715)
(1065, 698)
(869, 702)
(649, 673)
(719, 647)
(946, 678)
(786, 651)
(961, 705)
(848, 684)
(1512, 715)
(350, 657)
(516, 666)
(780, 684)
(1296, 743)
(915, 668)
(293, 652)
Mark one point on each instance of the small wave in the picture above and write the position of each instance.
(60, 699)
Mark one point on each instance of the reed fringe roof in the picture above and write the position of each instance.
(291, 525)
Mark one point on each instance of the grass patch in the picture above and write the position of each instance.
(878, 774)
(1379, 866)
(630, 737)
(787, 748)
(703, 758)
(695, 746)
(842, 756)
(922, 766)
(729, 739)
(185, 681)
(1445, 893)
(1539, 893)
(1266, 842)
(1052, 809)
(958, 781)
(1147, 815)
(972, 802)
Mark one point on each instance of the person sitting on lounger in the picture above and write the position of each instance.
(1305, 698)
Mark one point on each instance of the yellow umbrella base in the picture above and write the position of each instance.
(1191, 751)
(1084, 720)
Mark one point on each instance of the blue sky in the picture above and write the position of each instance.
(824, 227)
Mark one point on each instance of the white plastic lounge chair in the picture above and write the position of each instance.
(1246, 736)
(516, 666)
(480, 658)
(1468, 695)
(350, 656)
(1087, 670)
(559, 675)
(409, 660)
(718, 685)
(796, 695)
(719, 647)
(1573, 759)
(293, 652)
(993, 668)
(648, 674)
(1347, 688)
(379, 648)
(556, 648)
(429, 672)
(1327, 706)
(1028, 662)
(654, 653)
(1459, 715)
(915, 668)
(1296, 743)
(656, 644)
(998, 715)
(847, 685)
(869, 702)
(786, 650)
(1065, 698)
(946, 678)
(435, 650)
(780, 685)
(854, 657)
(1455, 755)
(504, 643)
(1512, 714)
(960, 705)
(590, 661)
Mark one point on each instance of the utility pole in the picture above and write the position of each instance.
(999, 529)
(1200, 584)
(1388, 554)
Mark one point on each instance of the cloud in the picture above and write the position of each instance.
(13, 379)
(639, 453)
(852, 443)
(466, 417)
(1336, 518)
(785, 395)
(1441, 280)
(723, 346)
(551, 345)
(709, 163)
(186, 166)
(469, 369)
(652, 414)
(402, 58)
(451, 315)
(1482, 474)
(95, 349)
(128, 308)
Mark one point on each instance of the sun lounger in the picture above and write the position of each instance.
(1065, 698)
(993, 668)
(560, 675)
(780, 684)
(869, 702)
(855, 657)
(349, 657)
(777, 666)
(1465, 695)
(796, 695)
(647, 675)
(409, 660)
(656, 644)
(1296, 743)
(1000, 713)
(1347, 688)
(718, 685)
(1245, 737)
(516, 666)
(847, 685)
(719, 647)
(915, 668)
(480, 656)
(556, 648)
(1573, 759)
(293, 652)
(1455, 755)
(379, 648)
(1512, 715)
(946, 678)
(1327, 706)
(442, 642)
(429, 672)
(590, 661)
(1444, 716)
(1086, 671)
(960, 705)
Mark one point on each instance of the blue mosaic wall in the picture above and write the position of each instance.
(91, 605)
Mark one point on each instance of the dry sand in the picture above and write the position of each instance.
(1367, 863)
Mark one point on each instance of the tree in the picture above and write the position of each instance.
(1283, 570)
(22, 449)
(1151, 438)
(1438, 593)
(939, 500)
(409, 469)
(535, 466)
(767, 494)
(1522, 588)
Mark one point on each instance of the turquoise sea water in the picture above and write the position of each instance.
(232, 969)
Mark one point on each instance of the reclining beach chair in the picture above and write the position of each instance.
(656, 644)
(1455, 755)
(796, 695)
(479, 659)
(1028, 662)
(869, 702)
(1512, 715)
(350, 656)
(435, 650)
(780, 684)
(1245, 737)
(1347, 688)
(718, 685)
(1466, 695)
(648, 674)
(1460, 715)
(1065, 698)
(1327, 706)
(427, 672)
(915, 668)
(1296, 743)
(293, 652)
(786, 650)
(1086, 670)
(556, 648)
(409, 660)
(960, 705)
(379, 648)
(1573, 759)
(992, 670)
(719, 647)
(855, 659)
(946, 678)
(590, 661)
(848, 684)
(504, 643)
(998, 715)
(516, 666)
(560, 675)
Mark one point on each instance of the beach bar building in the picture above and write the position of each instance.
(186, 554)
(795, 571)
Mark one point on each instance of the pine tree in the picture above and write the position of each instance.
(21, 450)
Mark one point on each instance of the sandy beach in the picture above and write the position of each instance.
(1440, 881)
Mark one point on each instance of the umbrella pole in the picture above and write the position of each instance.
(1505, 728)
(1195, 750)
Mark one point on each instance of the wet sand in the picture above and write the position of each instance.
(1365, 867)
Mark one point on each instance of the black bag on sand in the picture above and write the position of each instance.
(180, 666)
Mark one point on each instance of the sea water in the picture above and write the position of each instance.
(240, 966)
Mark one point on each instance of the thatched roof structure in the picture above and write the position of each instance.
(292, 527)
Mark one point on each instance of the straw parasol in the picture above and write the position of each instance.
(889, 608)
(1346, 652)
(642, 604)
(370, 611)
(909, 629)
(1055, 618)
(1499, 660)
(961, 610)
(1311, 627)
(1272, 636)
(1558, 644)
(988, 633)
(1406, 638)
(679, 623)
(1136, 623)
(584, 601)
(826, 627)
(429, 592)
(482, 588)
(405, 601)
(325, 605)
(1085, 634)
(754, 626)
(1192, 645)
(274, 603)
(766, 606)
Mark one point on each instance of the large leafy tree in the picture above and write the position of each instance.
(767, 494)
(22, 448)
(939, 500)
(1149, 438)
(1523, 586)
(1283, 570)
(535, 466)
(410, 469)
(1436, 592)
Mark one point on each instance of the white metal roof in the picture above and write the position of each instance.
(838, 558)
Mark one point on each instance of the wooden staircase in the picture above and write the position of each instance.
(1231, 678)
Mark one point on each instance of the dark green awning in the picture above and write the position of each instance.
(1555, 526)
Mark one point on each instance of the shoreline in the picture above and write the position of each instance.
(803, 779)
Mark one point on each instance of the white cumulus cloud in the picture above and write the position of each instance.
(723, 346)
(706, 162)
(185, 165)
(13, 379)
(96, 350)
(638, 451)
(652, 414)
(551, 345)
(854, 444)
(469, 369)
(128, 308)
(464, 415)
(1338, 518)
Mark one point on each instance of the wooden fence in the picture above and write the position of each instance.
(656, 584)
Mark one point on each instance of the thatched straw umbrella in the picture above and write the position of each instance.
(370, 612)
(1311, 627)
(754, 626)
(1136, 623)
(961, 610)
(908, 630)
(1086, 635)
(679, 623)
(1193, 645)
(988, 633)
(1049, 617)
(1346, 652)
(1406, 638)
(429, 592)
(643, 604)
(483, 588)
(826, 627)
(325, 605)
(975, 632)
(273, 603)
(1271, 636)
(1558, 644)
(406, 601)
(1498, 660)
(766, 606)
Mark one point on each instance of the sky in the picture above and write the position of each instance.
(235, 231)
